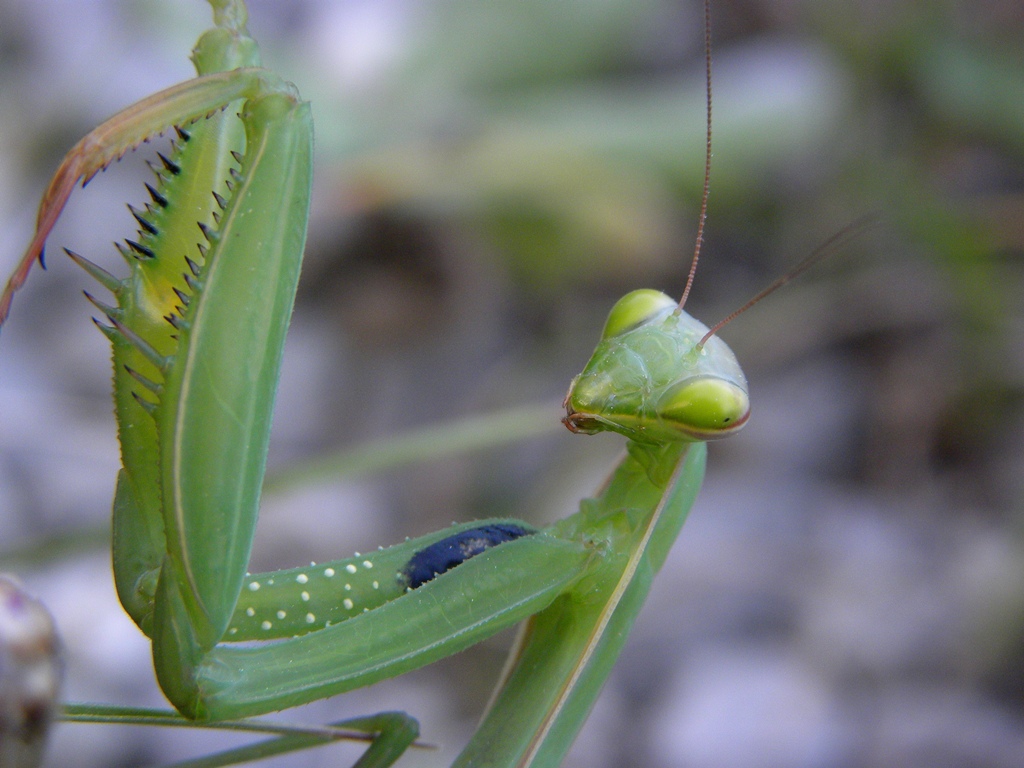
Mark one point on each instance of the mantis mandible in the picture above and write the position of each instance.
(197, 331)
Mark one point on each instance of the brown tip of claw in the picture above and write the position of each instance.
(20, 275)
(56, 196)
(5, 307)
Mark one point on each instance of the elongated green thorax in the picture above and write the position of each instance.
(649, 381)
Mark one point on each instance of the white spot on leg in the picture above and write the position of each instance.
(305, 597)
(328, 572)
(350, 568)
(266, 625)
(302, 578)
(367, 564)
(253, 586)
(281, 614)
(250, 612)
(310, 618)
(348, 604)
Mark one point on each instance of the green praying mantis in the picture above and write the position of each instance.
(197, 330)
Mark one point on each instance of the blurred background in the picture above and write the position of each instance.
(849, 589)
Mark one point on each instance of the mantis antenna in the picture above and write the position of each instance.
(828, 247)
(707, 157)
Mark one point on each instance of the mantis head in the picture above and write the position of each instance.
(653, 379)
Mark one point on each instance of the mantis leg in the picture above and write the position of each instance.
(390, 735)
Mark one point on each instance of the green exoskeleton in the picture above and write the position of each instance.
(197, 329)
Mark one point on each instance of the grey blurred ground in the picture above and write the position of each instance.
(849, 590)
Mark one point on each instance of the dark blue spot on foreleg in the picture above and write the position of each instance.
(456, 549)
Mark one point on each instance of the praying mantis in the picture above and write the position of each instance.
(197, 330)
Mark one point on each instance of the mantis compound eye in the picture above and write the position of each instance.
(635, 309)
(705, 407)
